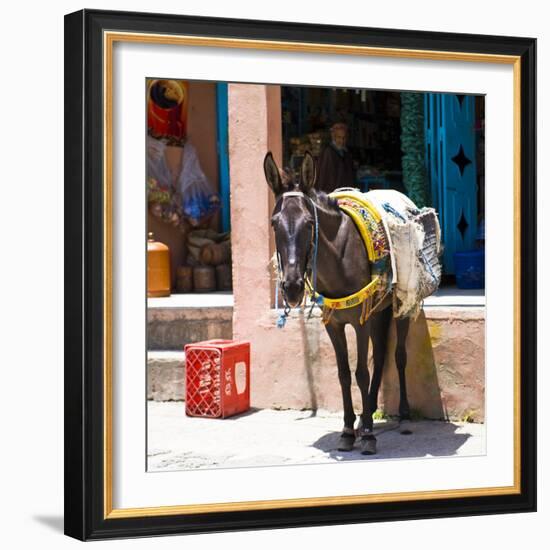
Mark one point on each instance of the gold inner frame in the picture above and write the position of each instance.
(109, 39)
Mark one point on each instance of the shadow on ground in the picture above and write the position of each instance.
(236, 417)
(428, 439)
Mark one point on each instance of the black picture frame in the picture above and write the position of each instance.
(85, 517)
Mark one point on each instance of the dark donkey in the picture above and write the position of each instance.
(342, 268)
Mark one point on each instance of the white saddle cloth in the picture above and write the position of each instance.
(415, 249)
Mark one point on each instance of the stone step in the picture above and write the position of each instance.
(170, 328)
(166, 375)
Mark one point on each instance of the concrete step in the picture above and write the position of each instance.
(166, 375)
(170, 328)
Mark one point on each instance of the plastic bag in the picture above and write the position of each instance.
(199, 201)
(163, 197)
(189, 198)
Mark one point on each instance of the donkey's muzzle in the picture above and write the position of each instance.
(294, 291)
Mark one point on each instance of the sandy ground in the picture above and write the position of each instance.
(265, 437)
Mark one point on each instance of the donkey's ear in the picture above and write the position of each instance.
(272, 174)
(308, 173)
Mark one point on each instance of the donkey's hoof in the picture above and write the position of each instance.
(368, 446)
(405, 427)
(346, 442)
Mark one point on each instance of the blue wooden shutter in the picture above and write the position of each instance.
(223, 153)
(451, 161)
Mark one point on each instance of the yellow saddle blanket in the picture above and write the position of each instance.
(368, 220)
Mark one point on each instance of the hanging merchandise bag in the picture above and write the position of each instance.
(162, 196)
(199, 201)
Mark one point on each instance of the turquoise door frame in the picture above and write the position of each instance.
(451, 161)
(223, 153)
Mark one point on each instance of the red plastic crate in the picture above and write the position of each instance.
(217, 378)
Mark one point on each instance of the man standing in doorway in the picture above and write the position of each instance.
(335, 165)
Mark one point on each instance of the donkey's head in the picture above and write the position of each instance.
(293, 222)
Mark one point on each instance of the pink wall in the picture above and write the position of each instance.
(295, 367)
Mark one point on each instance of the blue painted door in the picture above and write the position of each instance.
(223, 153)
(451, 160)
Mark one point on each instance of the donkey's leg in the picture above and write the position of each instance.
(380, 324)
(402, 329)
(337, 336)
(368, 441)
(362, 373)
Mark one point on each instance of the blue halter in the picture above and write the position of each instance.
(281, 320)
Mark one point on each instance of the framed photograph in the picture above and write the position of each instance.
(300, 283)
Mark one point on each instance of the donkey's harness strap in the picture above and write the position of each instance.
(353, 299)
(364, 296)
(293, 194)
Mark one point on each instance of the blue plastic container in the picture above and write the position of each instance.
(470, 268)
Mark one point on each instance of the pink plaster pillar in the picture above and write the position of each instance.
(248, 144)
(281, 360)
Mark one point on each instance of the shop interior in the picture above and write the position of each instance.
(374, 130)
(197, 247)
